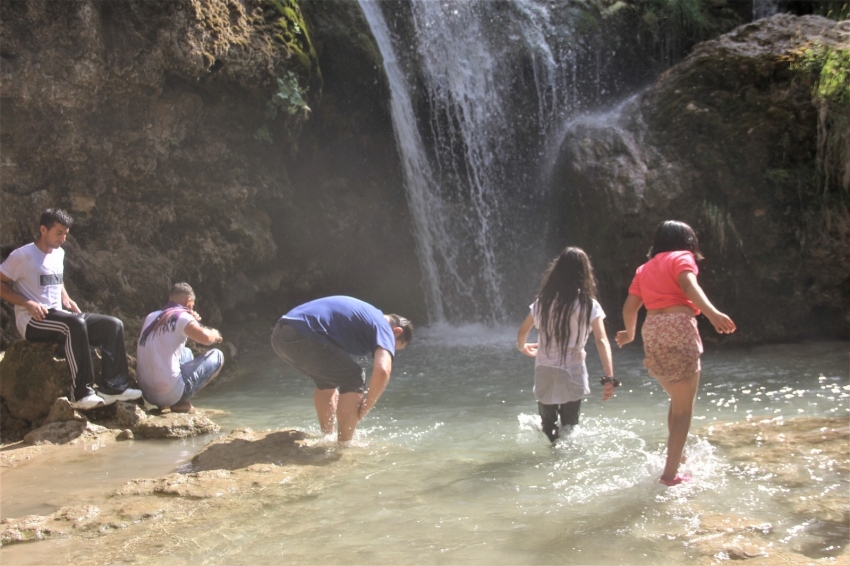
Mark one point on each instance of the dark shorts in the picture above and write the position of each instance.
(328, 365)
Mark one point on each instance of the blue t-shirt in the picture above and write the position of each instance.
(355, 326)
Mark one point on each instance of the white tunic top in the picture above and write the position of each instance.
(557, 381)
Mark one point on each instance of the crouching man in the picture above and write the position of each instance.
(166, 370)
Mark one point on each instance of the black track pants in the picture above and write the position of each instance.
(77, 333)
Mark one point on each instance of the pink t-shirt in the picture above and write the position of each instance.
(656, 281)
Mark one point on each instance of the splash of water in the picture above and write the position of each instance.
(471, 155)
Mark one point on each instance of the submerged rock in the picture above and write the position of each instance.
(244, 448)
(808, 457)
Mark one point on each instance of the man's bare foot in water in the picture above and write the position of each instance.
(185, 407)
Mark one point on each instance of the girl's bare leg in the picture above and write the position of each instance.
(682, 394)
(325, 401)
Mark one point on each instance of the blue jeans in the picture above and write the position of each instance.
(199, 371)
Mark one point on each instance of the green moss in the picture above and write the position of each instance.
(293, 34)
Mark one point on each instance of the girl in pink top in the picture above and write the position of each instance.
(667, 286)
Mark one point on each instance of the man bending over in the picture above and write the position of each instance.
(32, 278)
(168, 373)
(318, 337)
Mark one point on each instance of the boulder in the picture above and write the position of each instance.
(32, 380)
(728, 141)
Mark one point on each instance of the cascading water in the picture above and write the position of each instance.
(488, 86)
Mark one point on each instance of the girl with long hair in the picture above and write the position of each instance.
(565, 313)
(667, 286)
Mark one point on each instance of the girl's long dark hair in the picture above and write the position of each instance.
(569, 277)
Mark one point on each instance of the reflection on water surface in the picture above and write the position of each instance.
(450, 468)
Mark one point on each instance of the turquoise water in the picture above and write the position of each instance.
(450, 467)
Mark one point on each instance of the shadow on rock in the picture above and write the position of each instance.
(244, 447)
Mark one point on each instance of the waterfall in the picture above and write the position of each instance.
(476, 94)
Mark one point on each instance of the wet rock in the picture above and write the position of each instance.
(732, 536)
(63, 432)
(174, 425)
(125, 434)
(244, 448)
(804, 455)
(62, 411)
(129, 415)
(26, 529)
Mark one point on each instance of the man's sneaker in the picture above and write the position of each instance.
(88, 402)
(126, 395)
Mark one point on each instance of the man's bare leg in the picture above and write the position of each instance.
(348, 414)
(325, 401)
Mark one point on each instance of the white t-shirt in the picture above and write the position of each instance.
(158, 361)
(37, 276)
(550, 354)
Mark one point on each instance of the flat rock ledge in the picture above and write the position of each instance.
(126, 421)
(283, 464)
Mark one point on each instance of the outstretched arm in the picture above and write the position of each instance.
(630, 312)
(522, 336)
(688, 282)
(604, 349)
(381, 368)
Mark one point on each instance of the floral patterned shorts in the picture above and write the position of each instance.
(672, 346)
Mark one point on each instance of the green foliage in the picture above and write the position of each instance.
(832, 67)
(831, 92)
(263, 134)
(292, 32)
(289, 96)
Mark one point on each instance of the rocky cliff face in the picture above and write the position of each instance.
(727, 141)
(179, 135)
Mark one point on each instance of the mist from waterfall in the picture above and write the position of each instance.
(479, 89)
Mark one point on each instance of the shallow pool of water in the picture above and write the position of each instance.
(451, 468)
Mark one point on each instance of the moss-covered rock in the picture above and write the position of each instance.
(727, 141)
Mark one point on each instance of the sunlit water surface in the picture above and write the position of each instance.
(451, 468)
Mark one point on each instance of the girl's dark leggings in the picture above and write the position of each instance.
(568, 412)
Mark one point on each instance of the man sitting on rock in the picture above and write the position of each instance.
(168, 373)
(31, 278)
